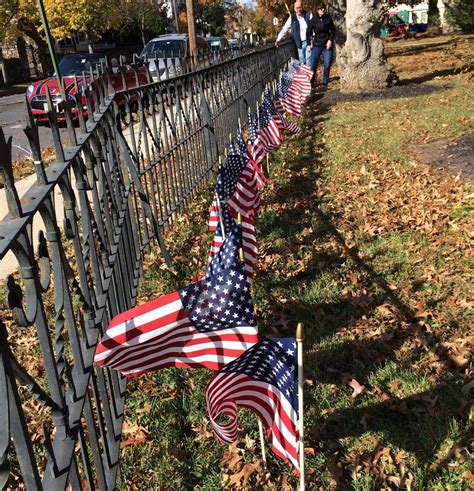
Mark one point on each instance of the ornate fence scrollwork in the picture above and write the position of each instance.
(78, 237)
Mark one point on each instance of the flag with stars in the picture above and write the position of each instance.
(258, 150)
(249, 240)
(264, 380)
(278, 113)
(289, 98)
(229, 173)
(269, 133)
(207, 324)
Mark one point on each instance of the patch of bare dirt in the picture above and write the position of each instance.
(454, 156)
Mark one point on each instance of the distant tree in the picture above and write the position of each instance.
(259, 22)
(210, 17)
(8, 12)
(460, 13)
(21, 18)
(90, 17)
(148, 16)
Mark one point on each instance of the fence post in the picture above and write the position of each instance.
(210, 139)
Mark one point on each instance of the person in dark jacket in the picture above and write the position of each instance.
(298, 23)
(320, 36)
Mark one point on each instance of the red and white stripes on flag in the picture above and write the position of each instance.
(270, 136)
(286, 124)
(209, 323)
(245, 199)
(259, 381)
(159, 334)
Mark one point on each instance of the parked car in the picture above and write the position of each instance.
(235, 46)
(168, 55)
(217, 45)
(78, 65)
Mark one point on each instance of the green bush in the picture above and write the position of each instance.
(461, 14)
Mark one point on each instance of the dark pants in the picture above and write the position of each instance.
(327, 58)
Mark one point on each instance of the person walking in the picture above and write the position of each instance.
(320, 36)
(298, 23)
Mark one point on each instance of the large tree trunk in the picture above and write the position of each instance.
(364, 67)
(28, 28)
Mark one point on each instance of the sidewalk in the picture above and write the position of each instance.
(14, 89)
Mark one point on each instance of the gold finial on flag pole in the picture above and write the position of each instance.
(300, 333)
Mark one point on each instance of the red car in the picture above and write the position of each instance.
(78, 65)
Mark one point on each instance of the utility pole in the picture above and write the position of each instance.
(191, 32)
(175, 14)
(49, 40)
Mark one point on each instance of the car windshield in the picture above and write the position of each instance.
(214, 44)
(172, 48)
(75, 65)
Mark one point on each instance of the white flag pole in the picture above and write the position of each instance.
(299, 342)
(218, 203)
(262, 443)
(260, 425)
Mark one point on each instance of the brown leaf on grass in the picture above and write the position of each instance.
(202, 433)
(242, 479)
(136, 434)
(356, 387)
(395, 385)
(145, 409)
(233, 457)
(468, 475)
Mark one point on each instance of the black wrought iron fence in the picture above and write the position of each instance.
(77, 238)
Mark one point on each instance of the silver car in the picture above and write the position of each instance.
(168, 55)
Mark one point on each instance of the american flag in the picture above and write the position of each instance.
(264, 380)
(277, 111)
(302, 79)
(258, 150)
(289, 97)
(229, 173)
(249, 241)
(303, 83)
(238, 183)
(306, 70)
(247, 154)
(207, 324)
(268, 132)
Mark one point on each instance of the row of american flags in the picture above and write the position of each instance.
(211, 322)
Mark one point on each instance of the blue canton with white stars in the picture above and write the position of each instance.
(265, 115)
(253, 127)
(272, 361)
(229, 174)
(242, 145)
(268, 104)
(227, 220)
(284, 85)
(222, 299)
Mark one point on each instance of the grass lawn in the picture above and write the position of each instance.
(370, 248)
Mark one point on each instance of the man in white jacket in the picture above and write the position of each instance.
(298, 23)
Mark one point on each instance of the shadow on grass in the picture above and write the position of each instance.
(418, 423)
(436, 73)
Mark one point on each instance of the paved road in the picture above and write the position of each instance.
(12, 120)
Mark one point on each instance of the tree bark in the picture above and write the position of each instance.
(364, 67)
(29, 29)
